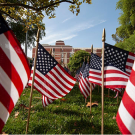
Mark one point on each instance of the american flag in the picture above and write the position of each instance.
(95, 69)
(81, 71)
(77, 74)
(67, 70)
(46, 101)
(14, 71)
(126, 113)
(117, 66)
(84, 83)
(51, 80)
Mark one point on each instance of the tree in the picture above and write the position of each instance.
(19, 32)
(31, 11)
(29, 14)
(126, 21)
(128, 44)
(76, 59)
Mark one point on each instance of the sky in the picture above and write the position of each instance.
(85, 29)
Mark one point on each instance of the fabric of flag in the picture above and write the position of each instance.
(66, 69)
(14, 71)
(116, 89)
(51, 80)
(84, 83)
(95, 69)
(126, 113)
(117, 66)
(77, 74)
(81, 71)
(46, 101)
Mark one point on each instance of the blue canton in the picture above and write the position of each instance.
(95, 62)
(114, 56)
(78, 71)
(83, 67)
(86, 71)
(45, 62)
(3, 25)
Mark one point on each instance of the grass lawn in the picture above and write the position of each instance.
(70, 116)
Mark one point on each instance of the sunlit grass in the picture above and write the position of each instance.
(64, 117)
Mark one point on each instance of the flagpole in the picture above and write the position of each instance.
(103, 44)
(91, 87)
(32, 82)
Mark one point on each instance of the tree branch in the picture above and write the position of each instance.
(33, 8)
(21, 21)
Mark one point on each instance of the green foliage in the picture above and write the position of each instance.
(20, 34)
(127, 18)
(77, 59)
(27, 15)
(64, 117)
(35, 10)
(128, 44)
(127, 25)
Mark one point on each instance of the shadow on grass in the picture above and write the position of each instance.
(86, 127)
(38, 128)
(67, 112)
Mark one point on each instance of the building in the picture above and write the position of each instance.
(62, 52)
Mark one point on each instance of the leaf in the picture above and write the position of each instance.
(114, 118)
(93, 104)
(63, 99)
(23, 106)
(16, 114)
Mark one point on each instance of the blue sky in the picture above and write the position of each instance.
(85, 29)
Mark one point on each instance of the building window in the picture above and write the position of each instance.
(71, 53)
(53, 50)
(62, 55)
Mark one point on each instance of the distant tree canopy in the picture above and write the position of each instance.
(20, 34)
(77, 59)
(29, 14)
(125, 32)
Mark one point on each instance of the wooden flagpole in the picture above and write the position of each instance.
(91, 87)
(32, 82)
(103, 44)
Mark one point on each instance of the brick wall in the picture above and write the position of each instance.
(60, 47)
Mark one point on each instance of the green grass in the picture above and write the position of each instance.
(64, 117)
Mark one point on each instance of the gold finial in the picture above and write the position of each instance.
(103, 35)
(91, 48)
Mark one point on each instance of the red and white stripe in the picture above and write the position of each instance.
(84, 86)
(95, 76)
(126, 113)
(79, 77)
(46, 101)
(130, 62)
(55, 84)
(14, 74)
(116, 78)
